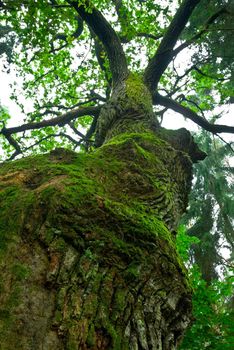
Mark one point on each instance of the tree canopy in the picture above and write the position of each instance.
(72, 54)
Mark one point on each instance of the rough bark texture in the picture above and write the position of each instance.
(87, 260)
(87, 250)
(129, 109)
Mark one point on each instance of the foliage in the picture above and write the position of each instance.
(184, 241)
(63, 63)
(207, 229)
(211, 211)
(213, 326)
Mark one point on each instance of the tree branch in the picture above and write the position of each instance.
(108, 37)
(126, 40)
(101, 55)
(60, 121)
(93, 97)
(188, 113)
(164, 54)
(211, 20)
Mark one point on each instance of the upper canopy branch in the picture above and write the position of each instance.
(108, 37)
(197, 36)
(188, 113)
(164, 53)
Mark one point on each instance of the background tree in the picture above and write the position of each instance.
(209, 222)
(110, 76)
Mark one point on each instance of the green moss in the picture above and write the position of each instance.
(137, 93)
(58, 244)
(71, 345)
(20, 271)
(91, 338)
(7, 317)
(89, 174)
(132, 271)
(119, 302)
(58, 317)
(144, 143)
(101, 204)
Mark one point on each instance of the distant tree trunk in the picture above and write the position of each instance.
(88, 258)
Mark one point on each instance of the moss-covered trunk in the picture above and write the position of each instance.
(87, 254)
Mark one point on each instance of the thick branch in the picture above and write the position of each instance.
(188, 113)
(164, 53)
(60, 121)
(107, 36)
(197, 36)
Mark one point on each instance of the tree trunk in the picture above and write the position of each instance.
(88, 258)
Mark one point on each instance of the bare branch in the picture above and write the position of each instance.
(228, 144)
(93, 97)
(207, 75)
(71, 139)
(77, 132)
(188, 113)
(92, 128)
(164, 53)
(13, 143)
(100, 55)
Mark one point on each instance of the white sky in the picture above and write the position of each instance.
(171, 120)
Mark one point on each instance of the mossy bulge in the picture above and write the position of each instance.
(84, 237)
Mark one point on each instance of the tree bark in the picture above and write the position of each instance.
(87, 244)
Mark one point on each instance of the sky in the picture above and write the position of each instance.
(171, 120)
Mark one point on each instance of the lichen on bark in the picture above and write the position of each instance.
(87, 255)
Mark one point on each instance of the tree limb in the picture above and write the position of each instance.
(126, 40)
(188, 113)
(93, 97)
(108, 37)
(211, 20)
(60, 121)
(101, 55)
(164, 53)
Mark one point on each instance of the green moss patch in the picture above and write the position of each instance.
(103, 219)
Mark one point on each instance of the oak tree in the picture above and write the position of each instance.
(88, 257)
